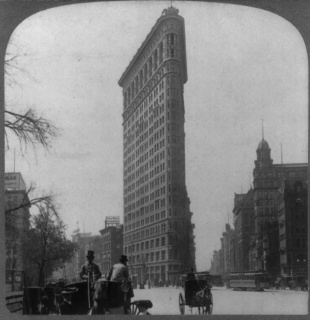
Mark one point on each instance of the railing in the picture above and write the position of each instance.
(15, 302)
(14, 291)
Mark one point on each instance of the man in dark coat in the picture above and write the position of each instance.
(90, 270)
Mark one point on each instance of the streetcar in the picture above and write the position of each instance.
(197, 293)
(257, 281)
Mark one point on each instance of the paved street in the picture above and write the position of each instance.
(166, 301)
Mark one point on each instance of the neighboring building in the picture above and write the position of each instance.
(232, 251)
(244, 228)
(293, 231)
(16, 220)
(252, 255)
(112, 246)
(158, 232)
(221, 257)
(96, 244)
(270, 221)
(226, 251)
(82, 240)
(226, 247)
(215, 263)
(267, 179)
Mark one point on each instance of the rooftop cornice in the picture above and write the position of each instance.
(291, 165)
(166, 14)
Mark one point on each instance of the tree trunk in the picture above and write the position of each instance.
(41, 280)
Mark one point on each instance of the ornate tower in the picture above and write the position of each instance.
(158, 233)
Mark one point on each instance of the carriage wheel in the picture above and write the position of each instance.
(134, 309)
(181, 303)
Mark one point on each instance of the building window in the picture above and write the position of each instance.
(163, 255)
(161, 52)
(171, 39)
(163, 241)
(155, 60)
(150, 66)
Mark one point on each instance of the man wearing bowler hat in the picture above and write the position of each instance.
(120, 273)
(90, 269)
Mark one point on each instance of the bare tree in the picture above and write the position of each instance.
(47, 199)
(28, 126)
(11, 65)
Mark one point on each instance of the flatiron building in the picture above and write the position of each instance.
(158, 232)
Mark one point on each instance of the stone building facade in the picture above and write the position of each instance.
(82, 239)
(270, 221)
(293, 221)
(158, 232)
(268, 178)
(112, 246)
(17, 219)
(244, 228)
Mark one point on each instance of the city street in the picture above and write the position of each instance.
(226, 301)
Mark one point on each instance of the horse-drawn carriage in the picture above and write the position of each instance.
(101, 297)
(197, 293)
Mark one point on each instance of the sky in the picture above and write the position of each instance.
(244, 65)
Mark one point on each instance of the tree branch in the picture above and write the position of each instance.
(30, 128)
(48, 200)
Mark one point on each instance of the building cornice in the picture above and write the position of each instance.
(145, 45)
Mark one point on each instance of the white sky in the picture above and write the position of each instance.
(244, 64)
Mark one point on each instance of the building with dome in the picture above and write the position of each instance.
(270, 221)
(268, 180)
(158, 232)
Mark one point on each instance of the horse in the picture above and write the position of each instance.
(109, 295)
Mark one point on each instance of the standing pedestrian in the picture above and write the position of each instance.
(120, 273)
(90, 272)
